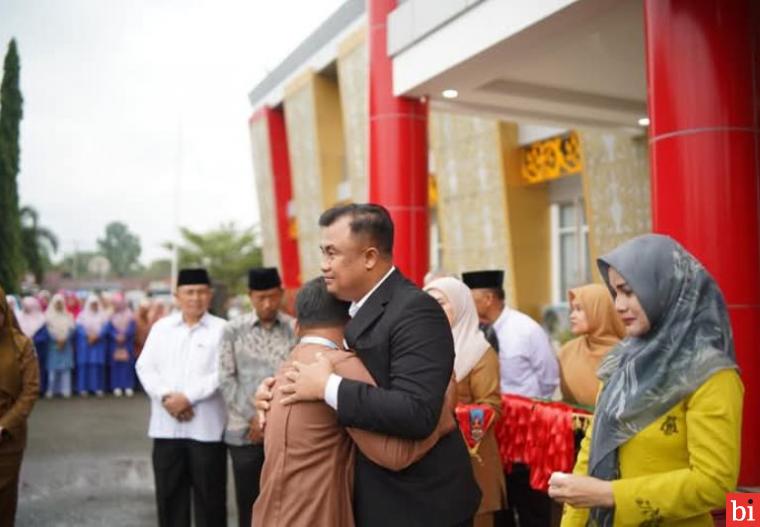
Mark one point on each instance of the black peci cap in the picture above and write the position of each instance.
(193, 276)
(484, 279)
(263, 278)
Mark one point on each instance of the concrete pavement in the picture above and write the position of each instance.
(87, 464)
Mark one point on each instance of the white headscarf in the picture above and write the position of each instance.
(31, 318)
(469, 343)
(59, 321)
(93, 322)
(13, 305)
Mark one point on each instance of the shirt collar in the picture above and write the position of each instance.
(179, 320)
(256, 322)
(356, 306)
(499, 322)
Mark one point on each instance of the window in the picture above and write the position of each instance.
(570, 256)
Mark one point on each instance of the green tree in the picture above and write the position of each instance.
(121, 247)
(38, 243)
(11, 112)
(227, 253)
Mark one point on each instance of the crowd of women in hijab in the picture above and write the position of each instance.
(86, 344)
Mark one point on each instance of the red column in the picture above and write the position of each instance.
(398, 175)
(283, 194)
(703, 68)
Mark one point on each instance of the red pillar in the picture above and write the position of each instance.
(703, 76)
(283, 194)
(398, 175)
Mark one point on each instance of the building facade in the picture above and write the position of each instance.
(531, 136)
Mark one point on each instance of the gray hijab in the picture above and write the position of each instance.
(644, 377)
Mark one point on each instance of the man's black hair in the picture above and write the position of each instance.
(368, 219)
(316, 307)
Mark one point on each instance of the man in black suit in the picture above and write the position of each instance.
(403, 338)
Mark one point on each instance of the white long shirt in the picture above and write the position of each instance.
(527, 360)
(180, 358)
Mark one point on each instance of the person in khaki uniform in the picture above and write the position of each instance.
(664, 445)
(476, 368)
(19, 389)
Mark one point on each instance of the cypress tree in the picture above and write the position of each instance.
(11, 102)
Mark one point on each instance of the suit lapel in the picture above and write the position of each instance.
(372, 309)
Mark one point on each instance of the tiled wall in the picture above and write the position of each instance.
(315, 145)
(262, 167)
(617, 188)
(352, 79)
(303, 148)
(467, 163)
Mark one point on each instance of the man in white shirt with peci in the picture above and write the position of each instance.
(178, 368)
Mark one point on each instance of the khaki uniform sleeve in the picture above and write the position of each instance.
(485, 382)
(30, 388)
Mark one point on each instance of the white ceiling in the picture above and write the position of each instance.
(583, 65)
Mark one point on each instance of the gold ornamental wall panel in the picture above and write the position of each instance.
(551, 159)
(528, 219)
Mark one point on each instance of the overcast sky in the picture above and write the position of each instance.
(114, 90)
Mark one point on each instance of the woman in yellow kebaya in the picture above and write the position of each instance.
(664, 445)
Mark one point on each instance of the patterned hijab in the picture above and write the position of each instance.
(469, 343)
(580, 357)
(690, 340)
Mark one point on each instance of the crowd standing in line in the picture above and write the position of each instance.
(86, 348)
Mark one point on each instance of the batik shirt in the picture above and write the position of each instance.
(249, 352)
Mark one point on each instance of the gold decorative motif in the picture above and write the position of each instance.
(551, 158)
(432, 192)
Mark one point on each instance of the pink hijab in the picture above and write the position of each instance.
(122, 315)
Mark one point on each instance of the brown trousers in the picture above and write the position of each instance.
(10, 465)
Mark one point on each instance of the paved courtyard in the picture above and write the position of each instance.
(87, 464)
